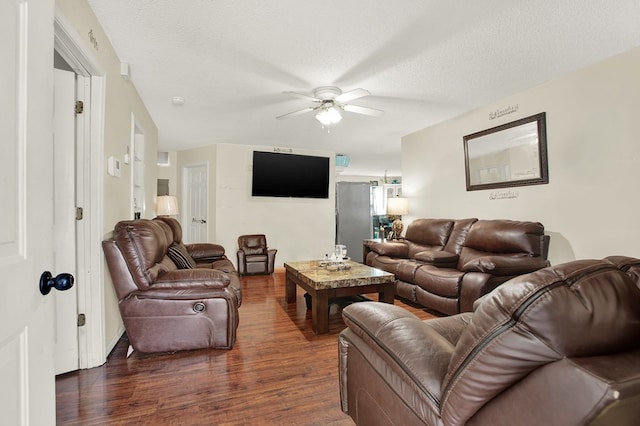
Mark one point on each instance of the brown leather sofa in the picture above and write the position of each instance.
(447, 264)
(560, 346)
(166, 308)
(254, 256)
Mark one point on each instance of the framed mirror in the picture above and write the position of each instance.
(513, 154)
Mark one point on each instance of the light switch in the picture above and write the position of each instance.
(113, 166)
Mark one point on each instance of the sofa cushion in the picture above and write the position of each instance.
(174, 226)
(429, 232)
(250, 251)
(205, 250)
(391, 249)
(143, 244)
(505, 236)
(444, 282)
(437, 258)
(504, 265)
(459, 234)
(386, 263)
(582, 308)
(181, 257)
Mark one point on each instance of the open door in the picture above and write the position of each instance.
(27, 388)
(64, 216)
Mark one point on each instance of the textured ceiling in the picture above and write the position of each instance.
(423, 62)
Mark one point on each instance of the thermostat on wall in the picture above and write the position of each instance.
(113, 166)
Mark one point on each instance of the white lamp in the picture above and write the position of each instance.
(397, 206)
(328, 116)
(167, 205)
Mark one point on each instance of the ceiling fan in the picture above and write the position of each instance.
(331, 100)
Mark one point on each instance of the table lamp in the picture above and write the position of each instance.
(396, 207)
(167, 205)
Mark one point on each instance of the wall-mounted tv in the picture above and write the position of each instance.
(277, 174)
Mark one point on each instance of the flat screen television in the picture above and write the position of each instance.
(277, 174)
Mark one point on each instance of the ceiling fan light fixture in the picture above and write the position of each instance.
(328, 116)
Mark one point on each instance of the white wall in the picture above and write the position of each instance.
(299, 228)
(590, 206)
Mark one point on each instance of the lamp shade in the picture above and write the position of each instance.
(166, 205)
(397, 206)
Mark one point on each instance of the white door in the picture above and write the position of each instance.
(194, 217)
(64, 227)
(27, 387)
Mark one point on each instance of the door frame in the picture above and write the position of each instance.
(91, 345)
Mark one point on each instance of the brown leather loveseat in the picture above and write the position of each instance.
(560, 346)
(172, 296)
(447, 264)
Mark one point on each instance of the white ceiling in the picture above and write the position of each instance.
(423, 62)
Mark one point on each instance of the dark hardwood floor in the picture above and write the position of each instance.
(278, 373)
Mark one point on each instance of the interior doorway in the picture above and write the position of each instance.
(138, 205)
(87, 162)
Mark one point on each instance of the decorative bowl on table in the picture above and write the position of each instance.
(338, 264)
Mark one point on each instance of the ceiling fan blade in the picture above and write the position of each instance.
(351, 95)
(363, 110)
(294, 113)
(303, 96)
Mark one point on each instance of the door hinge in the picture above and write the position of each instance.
(82, 320)
(79, 107)
(79, 213)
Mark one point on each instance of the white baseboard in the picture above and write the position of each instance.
(116, 338)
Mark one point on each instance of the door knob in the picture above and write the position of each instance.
(59, 282)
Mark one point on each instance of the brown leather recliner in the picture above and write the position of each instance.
(560, 346)
(254, 257)
(165, 308)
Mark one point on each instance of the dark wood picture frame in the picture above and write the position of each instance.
(513, 154)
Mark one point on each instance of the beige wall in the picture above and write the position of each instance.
(170, 172)
(589, 206)
(122, 103)
(299, 228)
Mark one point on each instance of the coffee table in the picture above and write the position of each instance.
(323, 284)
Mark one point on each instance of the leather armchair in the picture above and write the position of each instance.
(165, 308)
(559, 346)
(254, 257)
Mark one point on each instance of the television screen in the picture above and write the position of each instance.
(289, 175)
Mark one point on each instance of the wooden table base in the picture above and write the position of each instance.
(320, 295)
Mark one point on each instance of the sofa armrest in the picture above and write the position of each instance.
(439, 258)
(182, 279)
(608, 386)
(412, 349)
(391, 249)
(194, 293)
(505, 266)
(205, 250)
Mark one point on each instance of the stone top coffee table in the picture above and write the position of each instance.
(323, 284)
